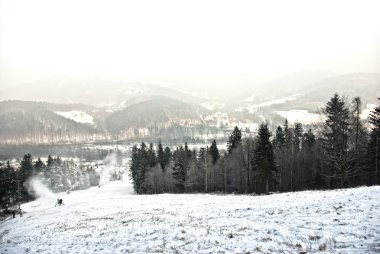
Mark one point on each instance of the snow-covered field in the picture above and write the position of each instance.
(110, 219)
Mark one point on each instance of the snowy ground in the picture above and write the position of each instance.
(111, 220)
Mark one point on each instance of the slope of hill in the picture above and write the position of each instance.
(283, 87)
(110, 220)
(315, 93)
(159, 111)
(36, 122)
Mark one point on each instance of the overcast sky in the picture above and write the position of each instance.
(187, 43)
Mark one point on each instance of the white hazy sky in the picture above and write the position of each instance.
(200, 43)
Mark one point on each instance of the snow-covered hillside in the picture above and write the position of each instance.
(77, 116)
(110, 219)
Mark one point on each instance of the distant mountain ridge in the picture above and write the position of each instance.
(142, 111)
(315, 94)
(41, 122)
(90, 92)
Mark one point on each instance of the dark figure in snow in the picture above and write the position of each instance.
(14, 213)
(59, 202)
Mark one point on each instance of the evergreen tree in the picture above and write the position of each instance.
(151, 156)
(8, 185)
(279, 147)
(49, 161)
(161, 156)
(264, 160)
(289, 164)
(234, 140)
(357, 144)
(214, 152)
(308, 160)
(336, 136)
(142, 168)
(138, 167)
(308, 140)
(179, 169)
(26, 170)
(133, 167)
(297, 138)
(374, 145)
(167, 156)
(279, 140)
(39, 165)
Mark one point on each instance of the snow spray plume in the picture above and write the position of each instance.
(37, 188)
(110, 169)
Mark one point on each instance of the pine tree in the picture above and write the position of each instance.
(8, 185)
(26, 170)
(151, 156)
(297, 141)
(49, 161)
(374, 144)
(234, 140)
(133, 168)
(167, 156)
(308, 140)
(39, 165)
(264, 160)
(179, 169)
(289, 163)
(138, 168)
(161, 156)
(308, 160)
(214, 152)
(142, 168)
(336, 136)
(297, 138)
(279, 139)
(358, 143)
(203, 161)
(279, 147)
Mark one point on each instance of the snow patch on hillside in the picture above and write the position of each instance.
(77, 116)
(301, 116)
(253, 108)
(212, 105)
(131, 90)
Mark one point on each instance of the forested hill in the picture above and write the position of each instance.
(41, 122)
(36, 122)
(160, 110)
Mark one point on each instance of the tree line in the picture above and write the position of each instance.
(341, 151)
(59, 175)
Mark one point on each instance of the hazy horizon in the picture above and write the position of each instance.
(191, 46)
